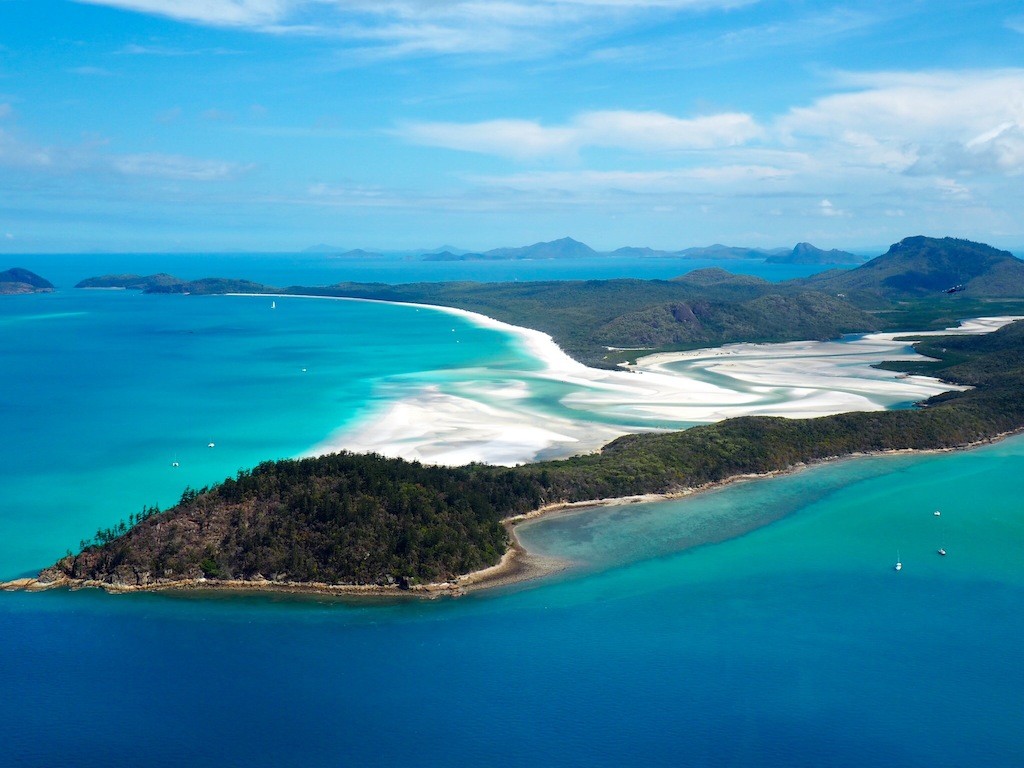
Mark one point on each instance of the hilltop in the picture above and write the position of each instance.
(20, 281)
(805, 253)
(926, 267)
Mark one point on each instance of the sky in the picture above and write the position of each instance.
(273, 125)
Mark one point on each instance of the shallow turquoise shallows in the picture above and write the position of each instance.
(759, 625)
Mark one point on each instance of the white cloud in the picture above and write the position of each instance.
(215, 12)
(176, 167)
(638, 182)
(134, 49)
(826, 208)
(955, 122)
(411, 27)
(1016, 24)
(625, 130)
(508, 138)
(90, 71)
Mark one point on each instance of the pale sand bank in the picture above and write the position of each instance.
(494, 421)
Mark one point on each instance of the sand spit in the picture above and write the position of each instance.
(493, 421)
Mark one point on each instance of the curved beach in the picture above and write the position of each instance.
(498, 422)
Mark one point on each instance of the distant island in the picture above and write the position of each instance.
(805, 253)
(20, 281)
(567, 248)
(921, 283)
(363, 523)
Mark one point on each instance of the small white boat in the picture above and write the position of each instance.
(174, 463)
(936, 513)
(273, 305)
(211, 445)
(899, 564)
(942, 551)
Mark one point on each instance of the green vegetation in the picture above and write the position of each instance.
(921, 283)
(805, 253)
(164, 283)
(586, 317)
(364, 519)
(925, 268)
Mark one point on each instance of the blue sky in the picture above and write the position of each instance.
(136, 125)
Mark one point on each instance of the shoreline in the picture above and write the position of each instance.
(498, 422)
(516, 566)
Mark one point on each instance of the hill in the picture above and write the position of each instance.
(164, 283)
(928, 268)
(805, 253)
(566, 248)
(19, 281)
(131, 281)
(719, 251)
(586, 317)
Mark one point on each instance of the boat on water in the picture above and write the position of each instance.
(899, 563)
(936, 513)
(942, 551)
(273, 305)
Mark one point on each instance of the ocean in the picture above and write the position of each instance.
(758, 625)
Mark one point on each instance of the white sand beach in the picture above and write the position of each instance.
(496, 421)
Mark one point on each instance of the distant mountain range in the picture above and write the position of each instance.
(342, 252)
(567, 248)
(18, 280)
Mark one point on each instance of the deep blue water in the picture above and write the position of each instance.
(787, 644)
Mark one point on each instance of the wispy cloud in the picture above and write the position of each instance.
(214, 12)
(415, 27)
(92, 159)
(135, 49)
(615, 129)
(176, 167)
(90, 71)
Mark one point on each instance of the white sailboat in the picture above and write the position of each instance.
(273, 305)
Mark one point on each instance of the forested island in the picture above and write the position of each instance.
(18, 281)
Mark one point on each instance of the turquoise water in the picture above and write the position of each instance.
(761, 624)
(64, 270)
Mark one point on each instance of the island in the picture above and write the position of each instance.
(568, 248)
(362, 523)
(17, 281)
